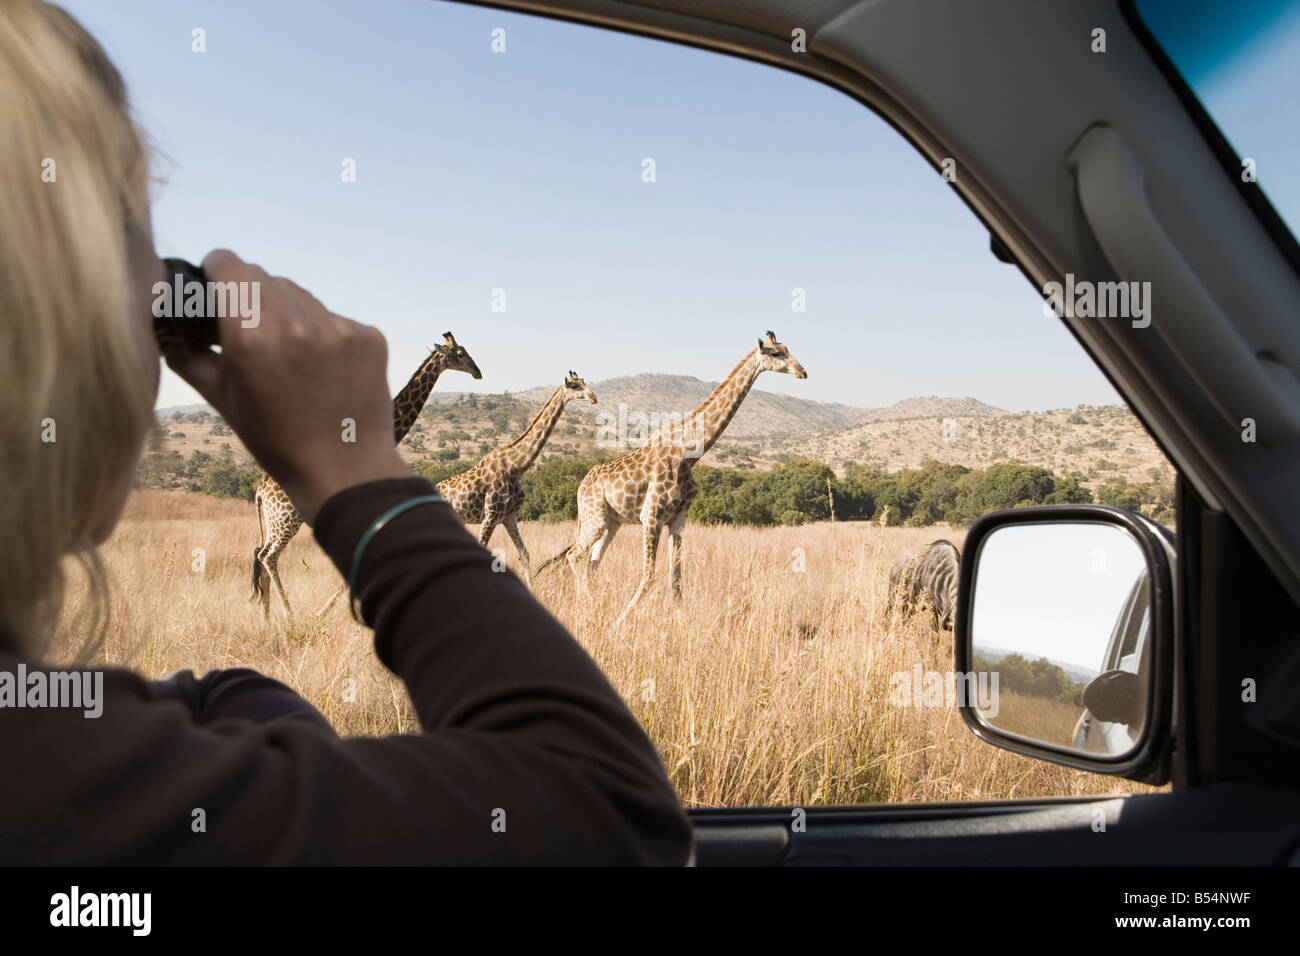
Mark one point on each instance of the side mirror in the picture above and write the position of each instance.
(1065, 623)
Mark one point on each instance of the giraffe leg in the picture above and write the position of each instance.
(602, 544)
(512, 528)
(675, 558)
(650, 542)
(272, 564)
(491, 518)
(262, 580)
(675, 526)
(583, 556)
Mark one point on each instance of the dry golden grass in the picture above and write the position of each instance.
(768, 684)
(1039, 718)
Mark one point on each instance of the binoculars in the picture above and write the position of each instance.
(198, 327)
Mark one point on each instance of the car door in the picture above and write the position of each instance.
(1126, 652)
(1069, 134)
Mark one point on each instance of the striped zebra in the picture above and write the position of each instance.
(926, 576)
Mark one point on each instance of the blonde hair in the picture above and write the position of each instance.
(74, 174)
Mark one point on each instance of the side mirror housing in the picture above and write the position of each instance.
(1065, 615)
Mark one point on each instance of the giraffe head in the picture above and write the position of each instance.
(775, 357)
(575, 388)
(455, 357)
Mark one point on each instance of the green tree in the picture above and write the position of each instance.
(715, 502)
(228, 479)
(1120, 494)
(551, 488)
(1068, 491)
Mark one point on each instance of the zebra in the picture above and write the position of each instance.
(926, 574)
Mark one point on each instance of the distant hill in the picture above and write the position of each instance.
(1095, 444)
(183, 409)
(763, 416)
(931, 407)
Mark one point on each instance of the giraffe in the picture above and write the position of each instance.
(653, 486)
(490, 493)
(278, 520)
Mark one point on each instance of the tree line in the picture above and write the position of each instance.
(793, 493)
(1040, 678)
(798, 492)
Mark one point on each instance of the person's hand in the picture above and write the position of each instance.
(304, 389)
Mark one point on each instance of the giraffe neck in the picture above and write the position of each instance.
(410, 400)
(701, 430)
(525, 449)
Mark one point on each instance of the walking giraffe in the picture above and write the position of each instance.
(278, 520)
(490, 492)
(653, 486)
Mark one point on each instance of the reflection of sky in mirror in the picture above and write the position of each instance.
(1054, 590)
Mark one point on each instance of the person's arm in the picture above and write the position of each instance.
(490, 669)
(527, 756)
(237, 692)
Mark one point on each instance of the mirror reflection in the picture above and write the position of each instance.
(1059, 623)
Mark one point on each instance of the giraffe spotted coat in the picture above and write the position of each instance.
(490, 493)
(653, 486)
(278, 520)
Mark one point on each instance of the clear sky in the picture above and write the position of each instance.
(1242, 59)
(522, 171)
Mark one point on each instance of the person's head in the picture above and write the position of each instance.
(78, 365)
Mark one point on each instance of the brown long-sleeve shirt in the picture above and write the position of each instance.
(528, 755)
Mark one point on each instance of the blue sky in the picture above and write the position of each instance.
(522, 171)
(1242, 59)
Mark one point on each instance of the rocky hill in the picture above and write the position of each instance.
(932, 407)
(659, 397)
(1095, 444)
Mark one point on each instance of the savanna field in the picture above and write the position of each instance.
(769, 683)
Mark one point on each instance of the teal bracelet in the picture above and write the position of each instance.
(378, 523)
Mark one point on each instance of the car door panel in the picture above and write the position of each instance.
(1008, 89)
(1221, 825)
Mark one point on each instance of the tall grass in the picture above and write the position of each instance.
(768, 684)
(1040, 718)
